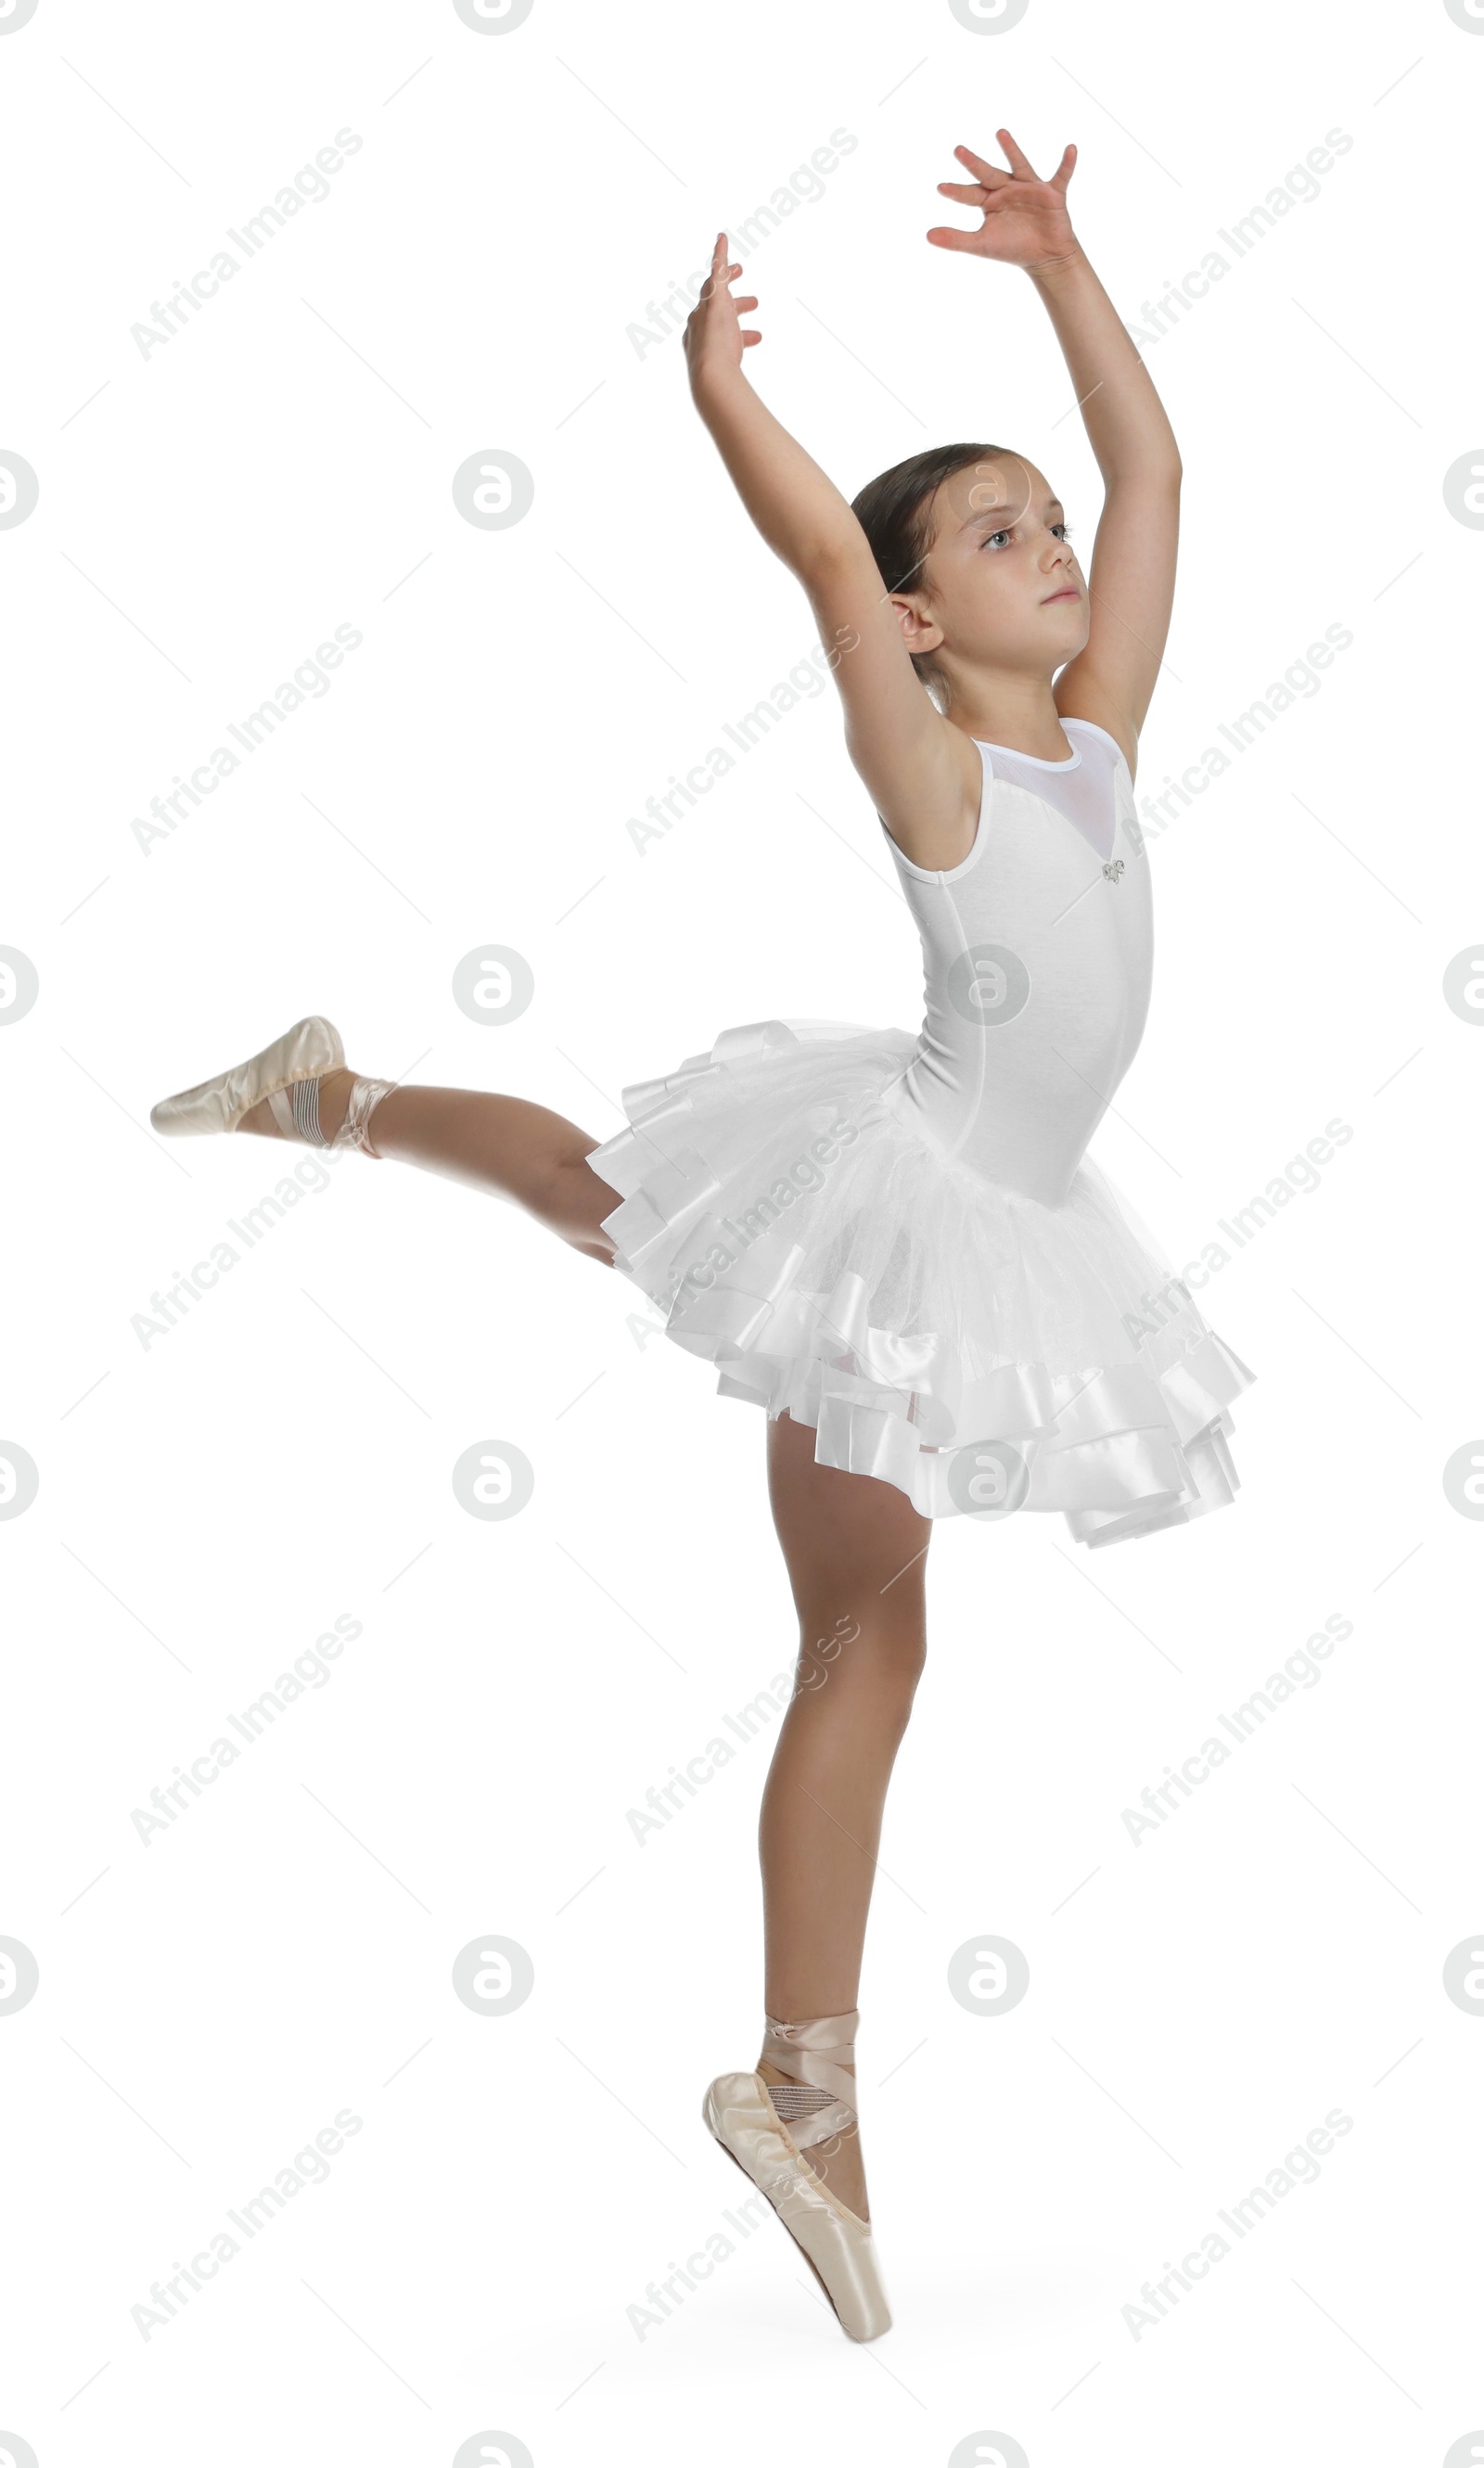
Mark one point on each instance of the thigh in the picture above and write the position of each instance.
(524, 1152)
(855, 1547)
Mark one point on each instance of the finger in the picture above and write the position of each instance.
(1065, 169)
(963, 194)
(944, 236)
(750, 336)
(1020, 163)
(709, 287)
(744, 303)
(990, 173)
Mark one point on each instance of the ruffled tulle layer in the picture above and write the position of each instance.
(982, 1352)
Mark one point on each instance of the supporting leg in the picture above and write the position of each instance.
(855, 1550)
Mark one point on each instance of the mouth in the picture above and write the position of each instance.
(1071, 592)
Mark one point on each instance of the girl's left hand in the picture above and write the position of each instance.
(1025, 218)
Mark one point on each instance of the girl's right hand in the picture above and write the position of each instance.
(714, 336)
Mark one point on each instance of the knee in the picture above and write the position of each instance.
(883, 1656)
(570, 1198)
(903, 1663)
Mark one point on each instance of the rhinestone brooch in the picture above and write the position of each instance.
(1114, 870)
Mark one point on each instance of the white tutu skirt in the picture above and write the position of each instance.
(984, 1353)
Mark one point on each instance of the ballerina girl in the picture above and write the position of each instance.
(896, 1243)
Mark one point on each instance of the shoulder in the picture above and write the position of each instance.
(1115, 732)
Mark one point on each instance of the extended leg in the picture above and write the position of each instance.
(855, 1550)
(525, 1153)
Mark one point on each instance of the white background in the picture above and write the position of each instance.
(210, 1501)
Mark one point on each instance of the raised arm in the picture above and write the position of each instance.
(922, 773)
(1131, 579)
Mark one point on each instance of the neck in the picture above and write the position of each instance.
(1017, 712)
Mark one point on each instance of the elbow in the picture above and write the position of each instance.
(1151, 466)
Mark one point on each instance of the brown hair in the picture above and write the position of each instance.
(894, 511)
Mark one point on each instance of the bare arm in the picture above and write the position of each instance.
(798, 509)
(922, 773)
(1132, 580)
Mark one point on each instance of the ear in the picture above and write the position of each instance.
(920, 632)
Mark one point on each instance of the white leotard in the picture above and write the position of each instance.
(1037, 951)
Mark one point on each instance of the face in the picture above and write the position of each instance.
(1000, 586)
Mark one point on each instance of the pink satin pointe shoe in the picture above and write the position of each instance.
(767, 2127)
(286, 1074)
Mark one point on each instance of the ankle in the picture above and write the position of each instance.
(334, 1100)
(834, 2159)
(332, 1089)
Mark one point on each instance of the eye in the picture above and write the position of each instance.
(992, 537)
(1062, 531)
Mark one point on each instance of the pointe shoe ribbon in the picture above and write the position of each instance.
(304, 1052)
(296, 1111)
(819, 2100)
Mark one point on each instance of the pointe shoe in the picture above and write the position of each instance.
(305, 1051)
(768, 2146)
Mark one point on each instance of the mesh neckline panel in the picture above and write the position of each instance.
(1082, 790)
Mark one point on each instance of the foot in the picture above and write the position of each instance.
(837, 2163)
(840, 2248)
(334, 1097)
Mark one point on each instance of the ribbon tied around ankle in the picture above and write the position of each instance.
(823, 2087)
